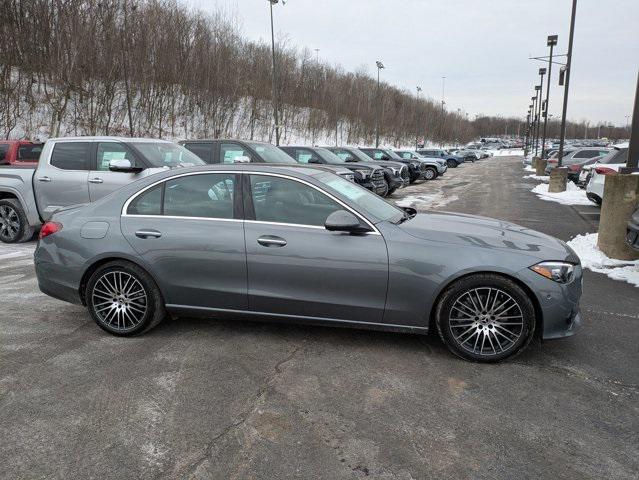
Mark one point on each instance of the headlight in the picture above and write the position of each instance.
(395, 170)
(349, 176)
(415, 165)
(364, 173)
(559, 272)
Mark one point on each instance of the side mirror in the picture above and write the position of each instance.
(410, 210)
(314, 160)
(343, 221)
(123, 165)
(350, 160)
(242, 159)
(385, 157)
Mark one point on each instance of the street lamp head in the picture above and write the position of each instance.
(379, 64)
(552, 40)
(542, 71)
(537, 87)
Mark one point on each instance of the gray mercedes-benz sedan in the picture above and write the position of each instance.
(302, 244)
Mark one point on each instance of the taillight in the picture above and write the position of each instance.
(573, 168)
(49, 228)
(605, 171)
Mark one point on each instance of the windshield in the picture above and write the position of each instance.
(393, 155)
(366, 201)
(359, 155)
(270, 153)
(329, 156)
(164, 154)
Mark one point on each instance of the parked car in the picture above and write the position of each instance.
(248, 151)
(434, 167)
(470, 155)
(618, 155)
(277, 242)
(78, 170)
(416, 167)
(395, 173)
(575, 157)
(20, 152)
(453, 161)
(368, 176)
(595, 186)
(632, 237)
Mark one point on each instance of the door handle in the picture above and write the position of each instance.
(271, 241)
(148, 233)
(96, 180)
(44, 179)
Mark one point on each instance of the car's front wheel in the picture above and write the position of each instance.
(451, 163)
(430, 174)
(123, 299)
(485, 318)
(14, 225)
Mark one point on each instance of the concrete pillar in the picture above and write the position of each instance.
(620, 200)
(533, 162)
(541, 167)
(558, 180)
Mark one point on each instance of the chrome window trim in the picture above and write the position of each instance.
(125, 207)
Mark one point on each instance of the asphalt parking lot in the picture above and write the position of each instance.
(223, 399)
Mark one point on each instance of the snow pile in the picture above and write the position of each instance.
(594, 259)
(530, 168)
(541, 178)
(426, 201)
(572, 196)
(508, 152)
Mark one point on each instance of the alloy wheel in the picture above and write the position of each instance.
(119, 300)
(9, 223)
(486, 321)
(429, 174)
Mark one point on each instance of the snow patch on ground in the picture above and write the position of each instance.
(426, 201)
(572, 196)
(541, 178)
(594, 259)
(507, 152)
(529, 168)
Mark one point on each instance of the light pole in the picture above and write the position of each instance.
(317, 55)
(551, 42)
(632, 164)
(562, 135)
(275, 98)
(419, 89)
(542, 72)
(538, 115)
(380, 66)
(533, 125)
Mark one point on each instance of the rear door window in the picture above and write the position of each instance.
(232, 152)
(205, 196)
(71, 155)
(147, 203)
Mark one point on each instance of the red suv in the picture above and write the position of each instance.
(19, 152)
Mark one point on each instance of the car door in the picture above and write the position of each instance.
(62, 179)
(101, 180)
(188, 230)
(298, 268)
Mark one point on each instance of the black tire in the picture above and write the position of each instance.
(430, 173)
(451, 163)
(384, 193)
(391, 191)
(512, 336)
(14, 226)
(104, 310)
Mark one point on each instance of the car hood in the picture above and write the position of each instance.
(483, 232)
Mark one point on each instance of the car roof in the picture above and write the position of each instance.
(210, 140)
(106, 138)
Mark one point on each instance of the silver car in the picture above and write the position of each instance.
(297, 243)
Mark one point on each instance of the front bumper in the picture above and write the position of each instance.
(375, 187)
(632, 235)
(558, 303)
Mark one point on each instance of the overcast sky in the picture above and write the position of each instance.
(481, 47)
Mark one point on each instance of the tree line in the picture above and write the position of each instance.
(155, 68)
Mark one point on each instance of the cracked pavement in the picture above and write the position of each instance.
(242, 400)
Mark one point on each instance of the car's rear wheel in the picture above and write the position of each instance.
(14, 226)
(451, 163)
(123, 299)
(485, 318)
(430, 174)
